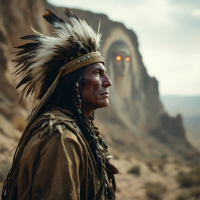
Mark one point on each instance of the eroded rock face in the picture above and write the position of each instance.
(15, 21)
(135, 120)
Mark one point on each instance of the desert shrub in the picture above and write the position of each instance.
(195, 192)
(185, 180)
(163, 157)
(161, 166)
(155, 190)
(189, 179)
(116, 157)
(19, 123)
(183, 196)
(135, 170)
(150, 165)
(155, 165)
(127, 158)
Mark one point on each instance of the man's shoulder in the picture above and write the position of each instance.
(52, 136)
(59, 115)
(51, 127)
(56, 121)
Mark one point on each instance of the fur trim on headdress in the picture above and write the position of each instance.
(38, 63)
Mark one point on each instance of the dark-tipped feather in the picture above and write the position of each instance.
(24, 80)
(31, 37)
(61, 54)
(70, 14)
(30, 46)
(52, 18)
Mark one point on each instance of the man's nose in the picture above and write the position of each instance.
(107, 82)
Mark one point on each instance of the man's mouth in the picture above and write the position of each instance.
(105, 94)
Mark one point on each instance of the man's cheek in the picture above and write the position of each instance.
(87, 97)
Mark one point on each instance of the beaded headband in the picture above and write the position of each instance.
(87, 59)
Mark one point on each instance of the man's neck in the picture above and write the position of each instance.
(87, 113)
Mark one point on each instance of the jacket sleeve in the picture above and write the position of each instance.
(53, 168)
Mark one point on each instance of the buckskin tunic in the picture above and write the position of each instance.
(56, 163)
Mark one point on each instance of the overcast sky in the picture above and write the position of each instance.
(168, 32)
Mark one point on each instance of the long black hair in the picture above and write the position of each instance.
(63, 97)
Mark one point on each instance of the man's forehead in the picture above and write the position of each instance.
(97, 66)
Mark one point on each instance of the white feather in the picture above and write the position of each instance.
(46, 51)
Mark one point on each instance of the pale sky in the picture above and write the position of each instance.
(168, 32)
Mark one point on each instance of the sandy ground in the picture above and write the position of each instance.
(130, 186)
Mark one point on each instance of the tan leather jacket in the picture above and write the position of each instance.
(55, 163)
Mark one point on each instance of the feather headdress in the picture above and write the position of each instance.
(42, 63)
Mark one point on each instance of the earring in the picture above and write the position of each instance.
(77, 101)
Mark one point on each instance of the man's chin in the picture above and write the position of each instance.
(104, 104)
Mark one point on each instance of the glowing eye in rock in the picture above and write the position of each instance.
(118, 58)
(128, 59)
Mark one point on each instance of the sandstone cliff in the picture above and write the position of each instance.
(15, 21)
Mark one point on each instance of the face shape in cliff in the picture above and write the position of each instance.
(119, 64)
(120, 56)
(126, 100)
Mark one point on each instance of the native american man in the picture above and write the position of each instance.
(61, 154)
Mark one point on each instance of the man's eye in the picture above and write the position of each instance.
(97, 72)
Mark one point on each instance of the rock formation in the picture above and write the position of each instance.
(15, 21)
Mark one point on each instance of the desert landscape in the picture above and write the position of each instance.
(157, 157)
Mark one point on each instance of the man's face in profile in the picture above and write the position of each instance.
(94, 91)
